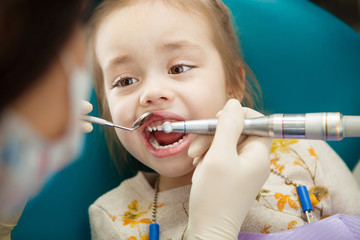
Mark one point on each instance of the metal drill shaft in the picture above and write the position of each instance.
(322, 126)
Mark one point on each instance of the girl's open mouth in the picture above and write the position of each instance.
(160, 140)
(162, 144)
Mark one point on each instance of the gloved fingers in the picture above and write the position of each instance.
(7, 225)
(254, 151)
(251, 113)
(248, 113)
(199, 145)
(196, 161)
(254, 156)
(229, 127)
(261, 144)
(86, 127)
(199, 171)
(221, 170)
(86, 107)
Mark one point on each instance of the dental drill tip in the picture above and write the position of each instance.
(166, 127)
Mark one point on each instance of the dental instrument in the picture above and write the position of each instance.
(321, 126)
(138, 122)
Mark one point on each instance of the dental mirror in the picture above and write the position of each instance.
(138, 122)
(141, 120)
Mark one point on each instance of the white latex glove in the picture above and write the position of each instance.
(6, 226)
(228, 176)
(87, 107)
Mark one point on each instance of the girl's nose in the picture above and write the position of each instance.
(156, 96)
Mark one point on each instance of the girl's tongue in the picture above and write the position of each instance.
(167, 138)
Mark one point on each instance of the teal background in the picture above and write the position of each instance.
(305, 59)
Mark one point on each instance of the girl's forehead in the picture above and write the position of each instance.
(159, 13)
(154, 23)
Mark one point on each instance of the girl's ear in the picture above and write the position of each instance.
(237, 90)
(230, 92)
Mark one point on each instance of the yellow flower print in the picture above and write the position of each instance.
(314, 201)
(283, 199)
(313, 153)
(319, 191)
(282, 145)
(274, 163)
(265, 229)
(292, 224)
(142, 237)
(113, 217)
(133, 215)
(298, 162)
(133, 205)
(145, 220)
(260, 194)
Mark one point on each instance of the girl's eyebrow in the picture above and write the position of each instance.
(167, 47)
(116, 61)
(178, 45)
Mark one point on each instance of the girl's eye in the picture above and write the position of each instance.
(124, 82)
(179, 69)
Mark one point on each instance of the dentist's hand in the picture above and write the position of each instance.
(7, 225)
(229, 174)
(87, 107)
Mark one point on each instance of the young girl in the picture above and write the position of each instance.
(180, 60)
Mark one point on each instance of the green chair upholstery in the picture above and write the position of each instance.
(305, 59)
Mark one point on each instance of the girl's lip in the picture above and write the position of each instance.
(162, 116)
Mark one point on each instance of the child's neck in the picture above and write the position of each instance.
(167, 183)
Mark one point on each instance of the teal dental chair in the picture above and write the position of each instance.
(305, 59)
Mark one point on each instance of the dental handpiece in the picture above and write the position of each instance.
(321, 126)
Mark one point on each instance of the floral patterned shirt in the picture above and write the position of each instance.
(125, 212)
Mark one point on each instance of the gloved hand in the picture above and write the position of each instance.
(87, 107)
(228, 176)
(7, 225)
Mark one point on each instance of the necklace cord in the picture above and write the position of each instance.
(156, 191)
(303, 195)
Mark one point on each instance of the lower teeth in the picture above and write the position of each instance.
(156, 145)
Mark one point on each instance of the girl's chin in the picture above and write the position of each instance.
(183, 172)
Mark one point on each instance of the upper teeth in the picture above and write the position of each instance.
(157, 128)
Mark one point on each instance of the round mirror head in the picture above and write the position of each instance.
(141, 120)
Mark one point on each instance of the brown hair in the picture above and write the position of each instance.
(225, 40)
(32, 33)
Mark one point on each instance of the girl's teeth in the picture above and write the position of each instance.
(152, 129)
(156, 145)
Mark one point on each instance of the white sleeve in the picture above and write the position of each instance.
(102, 227)
(344, 191)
